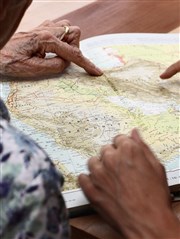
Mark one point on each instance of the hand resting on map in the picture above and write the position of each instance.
(127, 186)
(171, 70)
(24, 54)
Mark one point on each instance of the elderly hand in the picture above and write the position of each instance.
(24, 54)
(171, 70)
(128, 188)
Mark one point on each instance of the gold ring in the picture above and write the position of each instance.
(66, 31)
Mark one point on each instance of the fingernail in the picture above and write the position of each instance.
(99, 71)
(162, 76)
(136, 135)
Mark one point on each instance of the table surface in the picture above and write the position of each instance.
(152, 16)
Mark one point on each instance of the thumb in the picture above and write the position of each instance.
(37, 67)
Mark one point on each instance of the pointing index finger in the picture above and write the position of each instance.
(49, 43)
(171, 70)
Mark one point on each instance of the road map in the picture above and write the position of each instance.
(73, 115)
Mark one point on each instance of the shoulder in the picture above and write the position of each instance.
(30, 184)
(20, 151)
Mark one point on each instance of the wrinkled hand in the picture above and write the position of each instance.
(24, 54)
(171, 70)
(128, 188)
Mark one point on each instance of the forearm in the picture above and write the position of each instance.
(164, 226)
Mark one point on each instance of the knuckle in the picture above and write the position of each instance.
(106, 154)
(118, 139)
(126, 144)
(96, 171)
(77, 30)
(104, 149)
(44, 35)
(67, 22)
(47, 23)
(109, 162)
(77, 53)
(129, 147)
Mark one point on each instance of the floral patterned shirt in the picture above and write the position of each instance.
(31, 203)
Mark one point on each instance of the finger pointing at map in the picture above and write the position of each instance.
(25, 54)
(171, 70)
